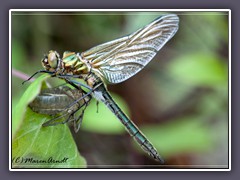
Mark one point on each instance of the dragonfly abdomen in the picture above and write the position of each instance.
(141, 139)
(132, 129)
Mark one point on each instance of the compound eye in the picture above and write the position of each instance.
(53, 59)
(45, 62)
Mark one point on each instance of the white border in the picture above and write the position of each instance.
(120, 10)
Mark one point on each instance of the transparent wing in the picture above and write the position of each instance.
(122, 58)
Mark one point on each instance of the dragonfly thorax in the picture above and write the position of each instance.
(73, 64)
(93, 80)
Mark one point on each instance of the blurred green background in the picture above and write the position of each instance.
(179, 100)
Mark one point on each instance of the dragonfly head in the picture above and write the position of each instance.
(51, 61)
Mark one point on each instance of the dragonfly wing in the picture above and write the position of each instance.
(122, 58)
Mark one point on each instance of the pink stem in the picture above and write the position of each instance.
(21, 75)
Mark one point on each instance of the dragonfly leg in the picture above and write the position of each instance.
(69, 76)
(97, 104)
(40, 71)
(54, 121)
(77, 84)
(77, 100)
(78, 121)
(71, 112)
(85, 94)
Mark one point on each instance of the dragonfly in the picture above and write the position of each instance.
(61, 100)
(114, 62)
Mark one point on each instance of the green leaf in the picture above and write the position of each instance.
(29, 95)
(199, 69)
(34, 146)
